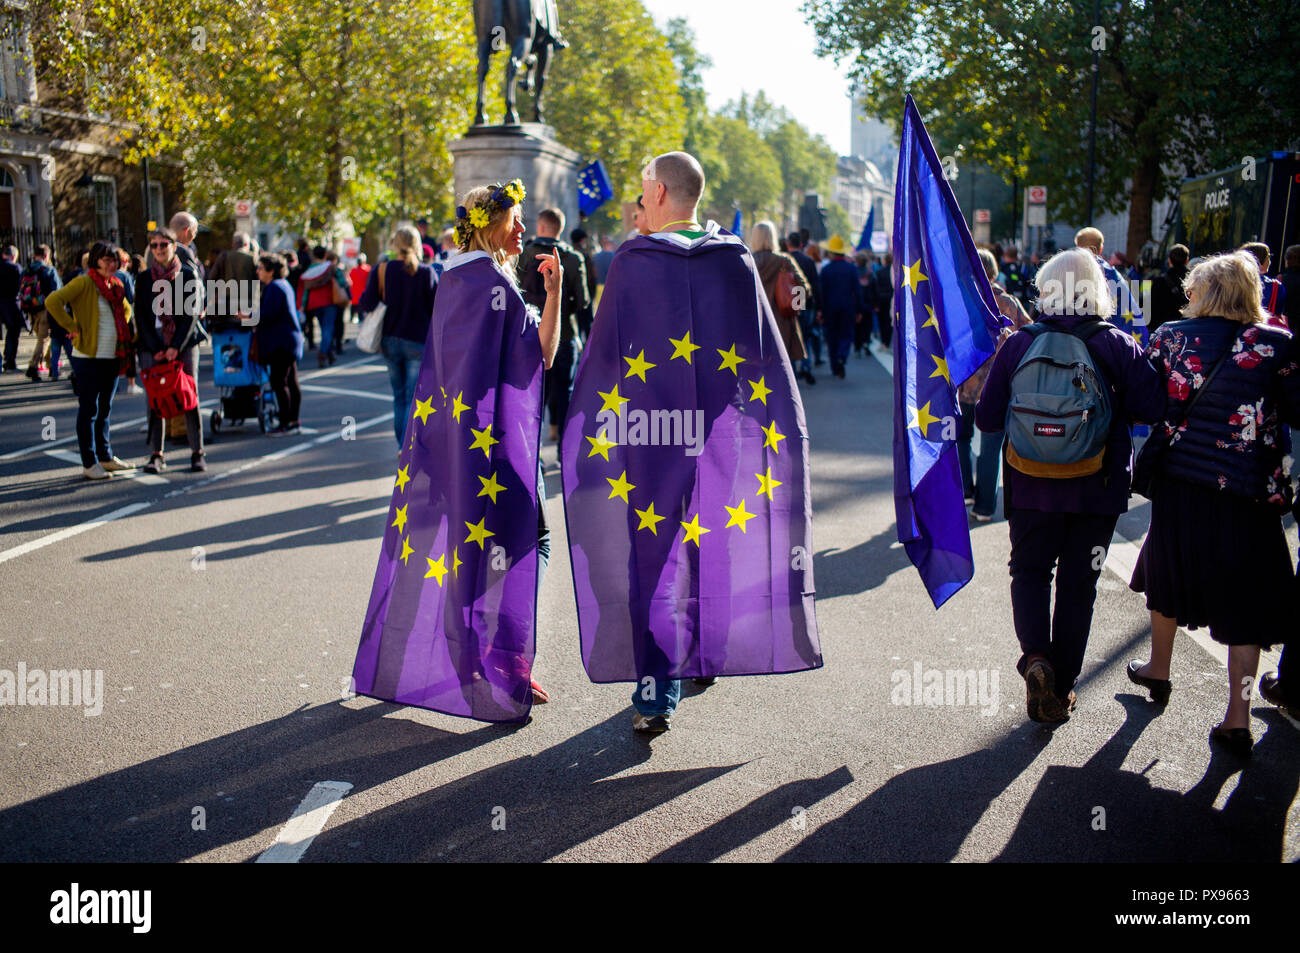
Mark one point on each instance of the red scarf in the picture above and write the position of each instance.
(164, 310)
(115, 294)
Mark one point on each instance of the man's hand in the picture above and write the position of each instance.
(552, 272)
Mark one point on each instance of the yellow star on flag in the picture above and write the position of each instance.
(933, 322)
(921, 420)
(760, 390)
(913, 276)
(694, 530)
(458, 407)
(403, 478)
(730, 360)
(648, 519)
(437, 569)
(490, 487)
(406, 550)
(613, 400)
(455, 562)
(483, 440)
(638, 365)
(774, 437)
(739, 515)
(683, 347)
(620, 487)
(766, 484)
(940, 368)
(477, 532)
(400, 520)
(600, 444)
(423, 408)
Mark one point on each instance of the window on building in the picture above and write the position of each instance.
(155, 210)
(105, 189)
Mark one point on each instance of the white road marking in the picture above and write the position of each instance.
(40, 542)
(307, 821)
(369, 395)
(136, 421)
(152, 479)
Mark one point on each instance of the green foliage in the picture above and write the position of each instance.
(610, 95)
(837, 223)
(1188, 85)
(747, 174)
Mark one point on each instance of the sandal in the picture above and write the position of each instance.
(539, 694)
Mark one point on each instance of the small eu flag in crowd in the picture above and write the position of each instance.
(594, 189)
(947, 323)
(735, 224)
(864, 243)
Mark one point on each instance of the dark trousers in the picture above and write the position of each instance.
(189, 359)
(559, 381)
(1075, 546)
(283, 368)
(12, 319)
(885, 326)
(839, 338)
(96, 386)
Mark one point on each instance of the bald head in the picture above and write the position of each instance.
(671, 187)
(1089, 238)
(186, 226)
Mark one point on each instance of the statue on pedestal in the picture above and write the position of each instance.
(528, 31)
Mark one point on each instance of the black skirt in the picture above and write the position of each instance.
(1219, 560)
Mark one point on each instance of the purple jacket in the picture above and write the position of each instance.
(1137, 393)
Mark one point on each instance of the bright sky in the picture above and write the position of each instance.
(765, 44)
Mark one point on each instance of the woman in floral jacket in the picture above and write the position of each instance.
(1216, 555)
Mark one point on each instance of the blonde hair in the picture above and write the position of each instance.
(407, 248)
(762, 237)
(489, 238)
(1226, 286)
(1071, 282)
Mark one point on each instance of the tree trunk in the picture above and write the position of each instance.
(1142, 195)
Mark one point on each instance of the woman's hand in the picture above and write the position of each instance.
(170, 353)
(552, 272)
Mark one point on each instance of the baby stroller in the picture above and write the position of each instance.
(245, 385)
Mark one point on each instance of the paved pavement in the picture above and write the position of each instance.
(223, 610)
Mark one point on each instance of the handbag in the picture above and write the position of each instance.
(1151, 457)
(372, 328)
(341, 296)
(785, 291)
(169, 389)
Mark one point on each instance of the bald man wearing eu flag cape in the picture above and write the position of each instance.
(685, 466)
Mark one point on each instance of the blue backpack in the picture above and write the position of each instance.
(1058, 418)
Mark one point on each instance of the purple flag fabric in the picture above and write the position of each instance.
(685, 467)
(451, 621)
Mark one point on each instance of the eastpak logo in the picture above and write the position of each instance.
(1049, 430)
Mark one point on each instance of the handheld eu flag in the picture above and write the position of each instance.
(864, 243)
(947, 323)
(736, 226)
(594, 189)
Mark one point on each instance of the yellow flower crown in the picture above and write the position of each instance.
(502, 197)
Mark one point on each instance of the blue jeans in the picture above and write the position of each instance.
(811, 338)
(96, 386)
(58, 342)
(403, 358)
(983, 483)
(326, 316)
(664, 696)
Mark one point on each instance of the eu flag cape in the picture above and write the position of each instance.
(947, 325)
(451, 621)
(685, 465)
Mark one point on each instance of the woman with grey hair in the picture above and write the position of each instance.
(771, 264)
(1216, 554)
(1063, 525)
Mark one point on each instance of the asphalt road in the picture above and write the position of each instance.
(224, 609)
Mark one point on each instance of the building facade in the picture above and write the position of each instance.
(63, 181)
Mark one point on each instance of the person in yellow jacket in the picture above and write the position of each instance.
(94, 311)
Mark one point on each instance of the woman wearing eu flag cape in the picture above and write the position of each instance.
(451, 624)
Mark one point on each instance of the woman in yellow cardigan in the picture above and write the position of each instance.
(94, 310)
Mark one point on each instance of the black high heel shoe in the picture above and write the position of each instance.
(1237, 740)
(1160, 688)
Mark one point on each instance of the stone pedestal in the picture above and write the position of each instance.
(528, 152)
